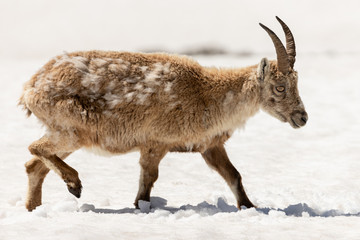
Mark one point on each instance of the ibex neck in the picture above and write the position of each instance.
(235, 93)
(229, 79)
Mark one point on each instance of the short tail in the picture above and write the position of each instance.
(24, 107)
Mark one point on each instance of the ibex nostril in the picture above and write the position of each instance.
(304, 119)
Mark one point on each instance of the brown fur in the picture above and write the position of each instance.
(155, 103)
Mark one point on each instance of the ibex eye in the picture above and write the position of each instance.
(280, 88)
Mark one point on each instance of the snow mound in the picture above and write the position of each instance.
(224, 206)
(41, 211)
(87, 207)
(144, 206)
(68, 205)
(15, 201)
(303, 210)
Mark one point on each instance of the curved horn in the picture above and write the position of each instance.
(290, 42)
(282, 57)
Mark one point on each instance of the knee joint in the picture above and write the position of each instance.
(36, 166)
(30, 166)
(34, 149)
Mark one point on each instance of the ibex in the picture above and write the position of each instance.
(116, 102)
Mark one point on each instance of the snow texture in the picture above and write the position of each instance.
(304, 182)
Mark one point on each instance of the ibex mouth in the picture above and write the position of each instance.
(294, 124)
(298, 120)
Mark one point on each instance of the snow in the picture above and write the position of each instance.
(305, 182)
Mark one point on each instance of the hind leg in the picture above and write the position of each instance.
(46, 148)
(36, 171)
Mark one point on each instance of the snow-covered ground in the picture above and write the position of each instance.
(305, 182)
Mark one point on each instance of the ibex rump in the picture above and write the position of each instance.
(154, 103)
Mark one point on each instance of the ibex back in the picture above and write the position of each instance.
(115, 102)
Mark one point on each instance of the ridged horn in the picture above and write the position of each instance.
(290, 42)
(282, 56)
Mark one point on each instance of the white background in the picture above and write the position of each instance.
(45, 28)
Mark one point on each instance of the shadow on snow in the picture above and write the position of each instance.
(205, 208)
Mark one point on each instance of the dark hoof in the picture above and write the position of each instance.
(247, 205)
(76, 191)
(251, 206)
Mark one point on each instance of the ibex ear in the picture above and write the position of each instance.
(263, 69)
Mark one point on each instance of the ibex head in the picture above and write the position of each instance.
(278, 81)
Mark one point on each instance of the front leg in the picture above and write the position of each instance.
(217, 159)
(149, 163)
(36, 171)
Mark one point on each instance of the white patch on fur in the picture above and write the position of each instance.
(124, 65)
(136, 87)
(99, 62)
(99, 151)
(228, 98)
(110, 87)
(44, 83)
(91, 81)
(107, 113)
(168, 86)
(166, 68)
(142, 98)
(149, 90)
(112, 99)
(118, 61)
(77, 61)
(172, 105)
(129, 96)
(115, 68)
(151, 77)
(139, 87)
(101, 71)
(80, 63)
(143, 68)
